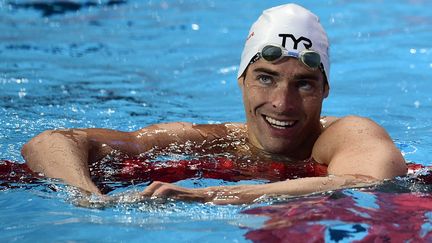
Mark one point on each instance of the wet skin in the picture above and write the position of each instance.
(283, 103)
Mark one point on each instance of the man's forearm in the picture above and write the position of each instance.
(57, 155)
(248, 193)
(296, 187)
(309, 185)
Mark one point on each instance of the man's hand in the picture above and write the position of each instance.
(161, 191)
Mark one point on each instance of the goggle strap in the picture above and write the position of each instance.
(255, 58)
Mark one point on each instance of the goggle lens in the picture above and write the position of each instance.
(311, 59)
(271, 53)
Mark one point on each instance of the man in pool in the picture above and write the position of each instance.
(284, 78)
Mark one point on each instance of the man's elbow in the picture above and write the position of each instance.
(399, 166)
(396, 166)
(35, 144)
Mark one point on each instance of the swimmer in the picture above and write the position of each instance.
(284, 78)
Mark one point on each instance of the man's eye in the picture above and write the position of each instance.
(265, 79)
(305, 85)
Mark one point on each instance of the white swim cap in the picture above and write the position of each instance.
(291, 26)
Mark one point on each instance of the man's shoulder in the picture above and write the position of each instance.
(349, 123)
(358, 146)
(349, 130)
(337, 135)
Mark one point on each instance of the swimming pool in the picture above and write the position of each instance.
(127, 64)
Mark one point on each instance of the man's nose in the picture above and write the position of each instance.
(284, 99)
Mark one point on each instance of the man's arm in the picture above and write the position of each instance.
(66, 154)
(356, 150)
(242, 194)
(358, 146)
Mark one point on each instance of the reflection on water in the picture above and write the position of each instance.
(374, 212)
(48, 9)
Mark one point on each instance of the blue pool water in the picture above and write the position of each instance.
(127, 64)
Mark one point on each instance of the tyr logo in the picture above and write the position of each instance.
(307, 44)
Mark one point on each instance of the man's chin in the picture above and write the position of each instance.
(282, 148)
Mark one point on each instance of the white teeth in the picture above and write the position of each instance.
(279, 124)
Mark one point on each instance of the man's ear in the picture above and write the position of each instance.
(326, 89)
(240, 82)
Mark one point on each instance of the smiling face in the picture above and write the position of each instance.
(283, 106)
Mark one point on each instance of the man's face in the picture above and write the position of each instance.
(283, 103)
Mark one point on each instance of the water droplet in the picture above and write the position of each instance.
(22, 93)
(227, 70)
(110, 111)
(195, 26)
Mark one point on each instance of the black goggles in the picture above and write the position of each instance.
(272, 53)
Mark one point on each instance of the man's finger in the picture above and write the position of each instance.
(150, 190)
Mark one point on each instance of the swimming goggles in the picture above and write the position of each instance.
(273, 53)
